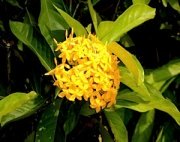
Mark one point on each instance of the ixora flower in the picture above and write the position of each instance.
(87, 71)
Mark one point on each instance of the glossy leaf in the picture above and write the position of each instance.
(103, 28)
(50, 21)
(117, 126)
(76, 25)
(141, 1)
(144, 127)
(129, 60)
(35, 42)
(26, 110)
(161, 77)
(132, 17)
(47, 126)
(156, 101)
(17, 105)
(164, 73)
(132, 97)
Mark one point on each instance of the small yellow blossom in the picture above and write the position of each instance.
(87, 71)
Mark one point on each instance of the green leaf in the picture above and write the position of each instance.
(163, 75)
(50, 21)
(1, 26)
(125, 114)
(26, 110)
(29, 19)
(103, 28)
(17, 105)
(164, 3)
(86, 110)
(76, 25)
(128, 79)
(106, 137)
(132, 96)
(126, 41)
(93, 15)
(129, 60)
(132, 17)
(35, 42)
(72, 119)
(95, 1)
(167, 133)
(154, 101)
(30, 137)
(117, 126)
(144, 127)
(141, 1)
(47, 126)
(174, 4)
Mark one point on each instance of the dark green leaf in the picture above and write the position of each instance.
(29, 19)
(14, 3)
(167, 133)
(72, 119)
(117, 126)
(125, 114)
(51, 21)
(48, 123)
(106, 137)
(1, 26)
(35, 42)
(95, 1)
(174, 4)
(144, 127)
(126, 41)
(86, 110)
(3, 91)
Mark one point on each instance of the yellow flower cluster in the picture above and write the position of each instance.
(87, 71)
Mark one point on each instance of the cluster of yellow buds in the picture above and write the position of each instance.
(87, 71)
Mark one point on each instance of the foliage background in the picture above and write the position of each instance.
(155, 43)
